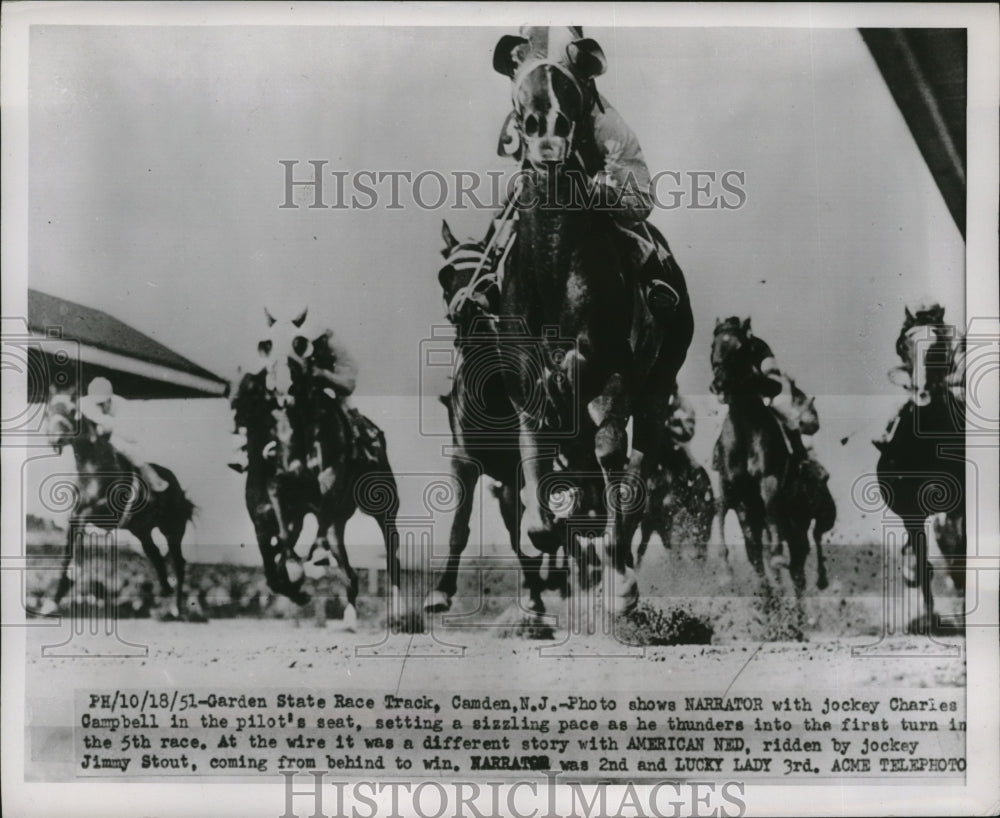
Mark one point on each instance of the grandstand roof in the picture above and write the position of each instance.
(79, 343)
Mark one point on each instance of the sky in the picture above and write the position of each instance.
(156, 185)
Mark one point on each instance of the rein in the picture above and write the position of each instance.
(462, 294)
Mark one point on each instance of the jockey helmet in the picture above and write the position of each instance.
(925, 310)
(100, 389)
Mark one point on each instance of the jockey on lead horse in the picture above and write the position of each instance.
(609, 153)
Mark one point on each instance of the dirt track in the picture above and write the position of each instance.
(461, 653)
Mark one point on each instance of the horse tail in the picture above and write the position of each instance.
(186, 506)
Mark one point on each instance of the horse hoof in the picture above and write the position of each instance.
(822, 583)
(437, 602)
(909, 569)
(48, 608)
(779, 561)
(321, 557)
(350, 619)
(294, 570)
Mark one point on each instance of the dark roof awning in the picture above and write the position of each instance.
(77, 343)
(926, 71)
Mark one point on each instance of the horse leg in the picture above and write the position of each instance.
(822, 581)
(50, 606)
(531, 565)
(340, 554)
(916, 542)
(538, 531)
(645, 532)
(390, 534)
(610, 444)
(466, 474)
(720, 511)
(153, 554)
(769, 490)
(798, 549)
(704, 511)
(180, 570)
(750, 513)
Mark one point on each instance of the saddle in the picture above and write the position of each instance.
(369, 439)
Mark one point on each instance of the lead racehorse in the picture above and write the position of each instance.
(584, 354)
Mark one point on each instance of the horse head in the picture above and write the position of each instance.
(730, 365)
(285, 350)
(467, 305)
(62, 419)
(552, 70)
(926, 350)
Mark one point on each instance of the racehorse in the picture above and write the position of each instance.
(111, 494)
(810, 500)
(681, 499)
(921, 466)
(757, 470)
(304, 458)
(584, 354)
(275, 493)
(481, 416)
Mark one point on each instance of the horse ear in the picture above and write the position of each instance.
(587, 58)
(300, 319)
(718, 322)
(271, 320)
(450, 242)
(509, 54)
(909, 315)
(746, 325)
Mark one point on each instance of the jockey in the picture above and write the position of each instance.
(679, 430)
(103, 407)
(773, 387)
(612, 159)
(336, 369)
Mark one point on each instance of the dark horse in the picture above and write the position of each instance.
(583, 353)
(112, 494)
(808, 497)
(481, 416)
(921, 468)
(758, 474)
(303, 457)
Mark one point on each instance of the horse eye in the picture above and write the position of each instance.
(264, 348)
(531, 125)
(562, 126)
(300, 344)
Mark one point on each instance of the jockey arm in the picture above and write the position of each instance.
(621, 172)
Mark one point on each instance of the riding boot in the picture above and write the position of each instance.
(661, 298)
(152, 479)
